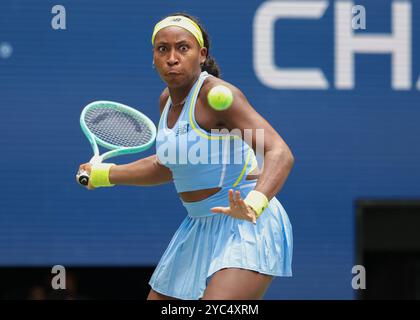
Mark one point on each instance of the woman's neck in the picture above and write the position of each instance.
(179, 94)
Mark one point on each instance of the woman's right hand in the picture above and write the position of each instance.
(86, 167)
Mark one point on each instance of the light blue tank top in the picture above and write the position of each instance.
(199, 159)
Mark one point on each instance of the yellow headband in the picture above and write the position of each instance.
(180, 21)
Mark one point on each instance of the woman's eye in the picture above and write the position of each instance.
(183, 48)
(161, 49)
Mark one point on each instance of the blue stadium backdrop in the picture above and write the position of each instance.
(346, 101)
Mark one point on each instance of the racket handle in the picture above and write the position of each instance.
(83, 177)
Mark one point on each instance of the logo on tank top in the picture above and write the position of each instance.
(182, 129)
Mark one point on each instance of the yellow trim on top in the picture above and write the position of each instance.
(243, 169)
(254, 164)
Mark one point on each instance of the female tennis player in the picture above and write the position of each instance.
(236, 236)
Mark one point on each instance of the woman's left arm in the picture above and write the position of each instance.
(278, 159)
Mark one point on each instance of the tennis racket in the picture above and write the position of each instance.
(116, 127)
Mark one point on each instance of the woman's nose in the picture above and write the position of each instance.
(172, 58)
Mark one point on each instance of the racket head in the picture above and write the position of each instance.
(116, 127)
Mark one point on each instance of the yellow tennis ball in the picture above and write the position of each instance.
(220, 97)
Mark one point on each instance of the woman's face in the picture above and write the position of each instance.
(177, 56)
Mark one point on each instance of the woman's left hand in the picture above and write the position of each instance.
(238, 208)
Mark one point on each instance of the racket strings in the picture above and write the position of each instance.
(118, 128)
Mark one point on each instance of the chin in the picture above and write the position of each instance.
(174, 81)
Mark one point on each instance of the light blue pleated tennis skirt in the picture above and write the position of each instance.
(206, 242)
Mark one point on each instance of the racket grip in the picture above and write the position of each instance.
(83, 177)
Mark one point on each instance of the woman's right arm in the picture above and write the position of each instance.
(144, 172)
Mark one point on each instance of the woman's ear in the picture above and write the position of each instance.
(203, 55)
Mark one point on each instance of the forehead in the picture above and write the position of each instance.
(174, 34)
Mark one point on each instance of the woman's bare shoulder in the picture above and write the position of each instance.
(211, 82)
(163, 98)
